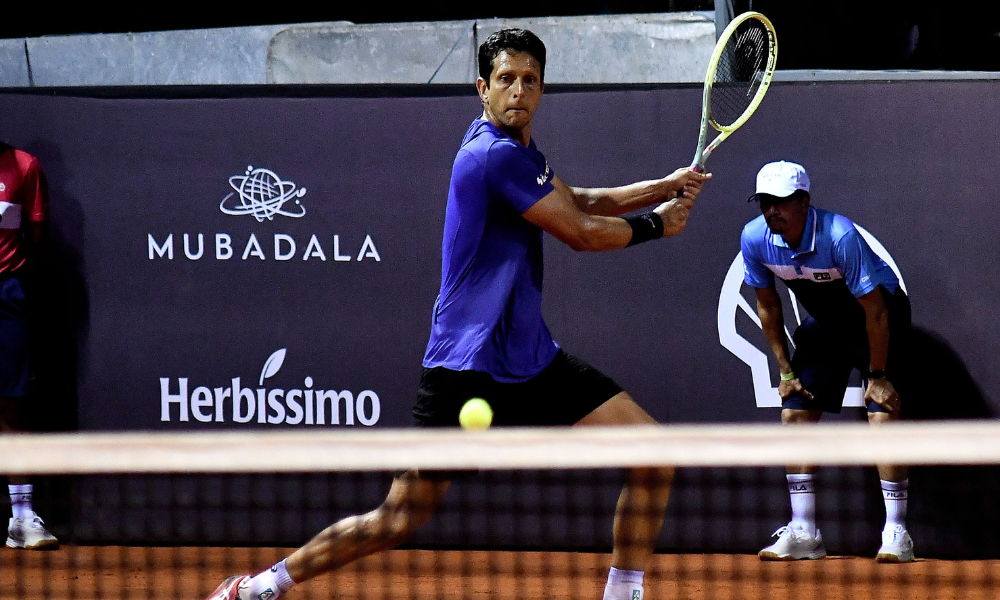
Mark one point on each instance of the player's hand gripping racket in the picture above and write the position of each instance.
(738, 76)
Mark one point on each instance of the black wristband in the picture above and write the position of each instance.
(875, 374)
(645, 227)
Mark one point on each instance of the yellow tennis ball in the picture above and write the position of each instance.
(475, 414)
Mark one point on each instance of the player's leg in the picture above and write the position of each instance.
(800, 538)
(25, 529)
(801, 484)
(641, 505)
(410, 502)
(571, 392)
(877, 417)
(11, 422)
(897, 545)
(823, 368)
(643, 501)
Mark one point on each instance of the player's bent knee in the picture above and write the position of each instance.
(389, 528)
(876, 418)
(791, 416)
(620, 409)
(396, 521)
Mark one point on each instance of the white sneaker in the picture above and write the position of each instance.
(230, 588)
(794, 543)
(30, 533)
(897, 546)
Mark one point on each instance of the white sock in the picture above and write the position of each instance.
(268, 584)
(802, 492)
(20, 500)
(895, 494)
(623, 585)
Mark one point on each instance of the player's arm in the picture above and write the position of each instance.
(558, 214)
(880, 390)
(854, 262)
(772, 322)
(611, 202)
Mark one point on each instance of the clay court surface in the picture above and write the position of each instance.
(88, 572)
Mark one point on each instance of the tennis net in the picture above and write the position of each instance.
(529, 513)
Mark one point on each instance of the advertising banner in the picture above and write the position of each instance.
(260, 262)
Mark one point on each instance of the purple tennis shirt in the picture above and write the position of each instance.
(488, 314)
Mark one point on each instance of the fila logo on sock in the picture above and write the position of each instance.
(798, 487)
(636, 595)
(892, 495)
(266, 594)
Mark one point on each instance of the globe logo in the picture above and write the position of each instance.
(263, 194)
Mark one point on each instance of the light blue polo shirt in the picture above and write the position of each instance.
(488, 313)
(832, 266)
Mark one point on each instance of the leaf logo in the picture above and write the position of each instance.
(273, 364)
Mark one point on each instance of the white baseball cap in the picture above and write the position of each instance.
(781, 179)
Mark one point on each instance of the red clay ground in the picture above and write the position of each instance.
(107, 573)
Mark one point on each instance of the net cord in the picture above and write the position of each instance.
(956, 442)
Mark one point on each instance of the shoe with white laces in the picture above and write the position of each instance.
(897, 546)
(794, 543)
(30, 533)
(229, 589)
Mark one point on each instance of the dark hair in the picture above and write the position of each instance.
(516, 40)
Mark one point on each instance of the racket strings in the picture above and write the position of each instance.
(740, 72)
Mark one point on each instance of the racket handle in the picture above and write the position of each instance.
(694, 167)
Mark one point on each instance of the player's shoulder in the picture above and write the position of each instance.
(482, 136)
(756, 229)
(475, 146)
(25, 162)
(754, 237)
(483, 142)
(836, 225)
(505, 158)
(502, 149)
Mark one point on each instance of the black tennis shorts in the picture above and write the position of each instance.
(563, 393)
(825, 356)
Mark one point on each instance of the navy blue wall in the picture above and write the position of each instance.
(130, 338)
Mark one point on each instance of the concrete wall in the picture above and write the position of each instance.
(668, 47)
(605, 49)
(200, 56)
(649, 48)
(13, 63)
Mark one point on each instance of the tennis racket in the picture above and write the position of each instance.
(738, 76)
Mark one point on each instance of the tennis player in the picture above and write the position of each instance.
(859, 319)
(488, 338)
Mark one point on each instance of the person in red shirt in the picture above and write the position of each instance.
(24, 208)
